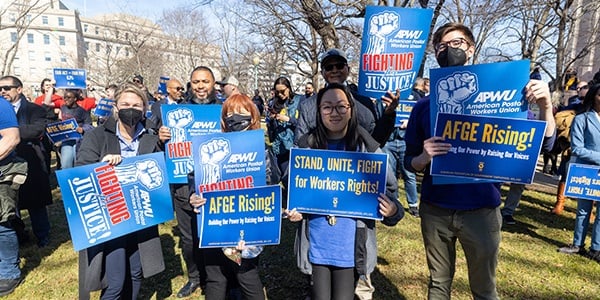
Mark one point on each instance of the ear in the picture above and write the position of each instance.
(470, 52)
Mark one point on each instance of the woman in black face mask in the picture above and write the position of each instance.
(238, 113)
(117, 266)
(455, 49)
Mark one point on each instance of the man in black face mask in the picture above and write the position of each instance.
(469, 213)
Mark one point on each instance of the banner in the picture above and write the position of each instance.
(477, 90)
(394, 41)
(70, 78)
(162, 84)
(252, 215)
(483, 147)
(104, 107)
(185, 122)
(339, 183)
(403, 111)
(229, 160)
(62, 131)
(103, 202)
(583, 182)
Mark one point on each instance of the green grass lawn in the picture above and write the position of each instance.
(529, 266)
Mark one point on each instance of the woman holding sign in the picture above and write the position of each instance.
(228, 267)
(339, 251)
(116, 267)
(71, 110)
(585, 145)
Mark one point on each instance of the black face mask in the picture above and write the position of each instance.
(238, 122)
(452, 57)
(130, 116)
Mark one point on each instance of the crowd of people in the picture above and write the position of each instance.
(337, 253)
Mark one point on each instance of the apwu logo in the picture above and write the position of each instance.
(204, 125)
(454, 90)
(495, 96)
(242, 157)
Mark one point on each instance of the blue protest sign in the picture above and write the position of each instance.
(185, 122)
(104, 107)
(252, 215)
(477, 90)
(483, 147)
(403, 111)
(393, 44)
(62, 131)
(583, 182)
(339, 183)
(70, 78)
(103, 202)
(162, 84)
(229, 160)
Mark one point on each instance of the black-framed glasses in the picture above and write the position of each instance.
(338, 66)
(6, 88)
(341, 109)
(454, 43)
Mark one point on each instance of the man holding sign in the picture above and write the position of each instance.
(467, 212)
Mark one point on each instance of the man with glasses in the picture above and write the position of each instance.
(175, 95)
(229, 86)
(335, 69)
(35, 193)
(12, 173)
(468, 213)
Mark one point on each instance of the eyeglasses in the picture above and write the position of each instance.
(6, 88)
(136, 81)
(585, 87)
(177, 88)
(338, 66)
(340, 109)
(455, 43)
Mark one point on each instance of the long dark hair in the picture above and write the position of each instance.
(590, 97)
(319, 137)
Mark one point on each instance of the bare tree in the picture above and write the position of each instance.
(26, 12)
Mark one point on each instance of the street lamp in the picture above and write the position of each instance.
(255, 62)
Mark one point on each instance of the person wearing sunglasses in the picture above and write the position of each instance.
(175, 95)
(379, 122)
(468, 213)
(229, 86)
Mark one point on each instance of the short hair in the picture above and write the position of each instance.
(15, 81)
(112, 86)
(131, 88)
(419, 81)
(234, 104)
(203, 68)
(452, 26)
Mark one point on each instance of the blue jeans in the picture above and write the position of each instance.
(582, 221)
(67, 154)
(512, 199)
(9, 253)
(396, 149)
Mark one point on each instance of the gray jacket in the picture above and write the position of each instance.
(365, 251)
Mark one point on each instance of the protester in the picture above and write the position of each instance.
(238, 114)
(259, 102)
(71, 110)
(175, 95)
(282, 120)
(35, 193)
(201, 91)
(117, 266)
(13, 172)
(229, 86)
(585, 146)
(335, 69)
(49, 98)
(340, 251)
(309, 90)
(468, 213)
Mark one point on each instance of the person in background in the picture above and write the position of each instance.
(309, 90)
(49, 98)
(585, 147)
(71, 110)
(238, 114)
(14, 171)
(117, 266)
(229, 86)
(259, 102)
(35, 193)
(340, 251)
(175, 95)
(468, 213)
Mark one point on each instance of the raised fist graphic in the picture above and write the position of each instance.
(212, 154)
(146, 172)
(177, 120)
(454, 90)
(380, 26)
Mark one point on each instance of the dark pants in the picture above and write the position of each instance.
(40, 225)
(188, 228)
(223, 274)
(122, 258)
(331, 282)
